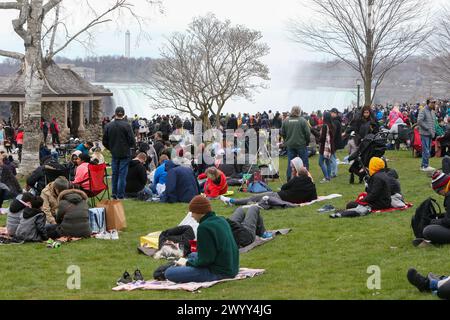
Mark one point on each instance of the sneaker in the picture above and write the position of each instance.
(335, 215)
(326, 208)
(126, 279)
(226, 200)
(267, 235)
(103, 235)
(427, 169)
(324, 180)
(114, 235)
(416, 279)
(138, 276)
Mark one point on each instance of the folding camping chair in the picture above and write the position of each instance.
(98, 183)
(51, 174)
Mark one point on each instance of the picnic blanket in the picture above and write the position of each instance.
(260, 241)
(321, 198)
(4, 233)
(244, 273)
(408, 205)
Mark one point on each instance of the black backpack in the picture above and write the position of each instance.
(423, 216)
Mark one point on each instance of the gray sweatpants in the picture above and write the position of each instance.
(252, 220)
(255, 199)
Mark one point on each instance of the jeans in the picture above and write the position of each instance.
(179, 274)
(426, 150)
(334, 165)
(119, 176)
(325, 165)
(294, 153)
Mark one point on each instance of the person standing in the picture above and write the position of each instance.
(119, 139)
(326, 146)
(44, 128)
(54, 131)
(297, 135)
(337, 124)
(426, 121)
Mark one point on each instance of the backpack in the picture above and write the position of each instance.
(258, 187)
(160, 272)
(423, 216)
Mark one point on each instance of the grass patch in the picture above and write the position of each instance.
(320, 259)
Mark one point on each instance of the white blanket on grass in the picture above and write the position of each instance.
(244, 273)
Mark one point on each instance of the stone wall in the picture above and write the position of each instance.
(93, 131)
(56, 110)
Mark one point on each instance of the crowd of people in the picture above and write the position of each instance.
(153, 161)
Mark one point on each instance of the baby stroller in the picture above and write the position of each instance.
(373, 145)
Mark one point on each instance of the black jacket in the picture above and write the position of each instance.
(299, 189)
(7, 177)
(338, 133)
(379, 191)
(119, 138)
(445, 221)
(241, 235)
(73, 214)
(159, 146)
(136, 178)
(181, 235)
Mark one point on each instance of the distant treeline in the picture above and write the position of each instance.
(107, 68)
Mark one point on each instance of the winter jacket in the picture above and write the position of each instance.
(181, 184)
(298, 190)
(73, 214)
(32, 226)
(337, 123)
(82, 148)
(159, 146)
(136, 178)
(82, 176)
(379, 191)
(426, 122)
(181, 235)
(160, 176)
(118, 138)
(296, 133)
(50, 202)
(7, 177)
(15, 213)
(214, 189)
(216, 248)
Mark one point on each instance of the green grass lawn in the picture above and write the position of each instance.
(320, 259)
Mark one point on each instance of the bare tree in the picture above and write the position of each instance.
(203, 68)
(438, 46)
(30, 26)
(372, 37)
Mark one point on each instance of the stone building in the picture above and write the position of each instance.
(76, 104)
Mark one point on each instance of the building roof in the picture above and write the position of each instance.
(60, 84)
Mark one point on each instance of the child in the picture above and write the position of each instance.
(15, 212)
(32, 223)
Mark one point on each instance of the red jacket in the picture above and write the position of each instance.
(213, 190)
(19, 138)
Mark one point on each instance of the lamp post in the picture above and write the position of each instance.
(358, 84)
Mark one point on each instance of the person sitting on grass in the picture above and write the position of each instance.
(72, 217)
(378, 195)
(300, 189)
(137, 176)
(438, 285)
(82, 173)
(181, 184)
(438, 231)
(216, 183)
(15, 212)
(217, 255)
(160, 176)
(247, 225)
(32, 224)
(50, 195)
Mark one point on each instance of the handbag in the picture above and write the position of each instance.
(97, 220)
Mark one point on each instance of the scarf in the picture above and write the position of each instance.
(327, 148)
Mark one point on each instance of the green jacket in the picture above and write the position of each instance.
(296, 133)
(216, 247)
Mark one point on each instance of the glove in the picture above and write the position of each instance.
(181, 262)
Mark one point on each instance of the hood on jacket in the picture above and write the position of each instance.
(170, 165)
(29, 213)
(16, 206)
(73, 196)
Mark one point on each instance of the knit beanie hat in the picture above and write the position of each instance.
(440, 181)
(297, 163)
(200, 205)
(376, 164)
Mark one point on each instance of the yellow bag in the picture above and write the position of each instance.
(151, 240)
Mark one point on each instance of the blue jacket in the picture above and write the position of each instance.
(82, 148)
(181, 184)
(160, 176)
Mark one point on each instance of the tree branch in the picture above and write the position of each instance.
(10, 5)
(11, 54)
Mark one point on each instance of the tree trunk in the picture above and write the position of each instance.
(34, 84)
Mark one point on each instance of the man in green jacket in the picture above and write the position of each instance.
(297, 135)
(217, 255)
